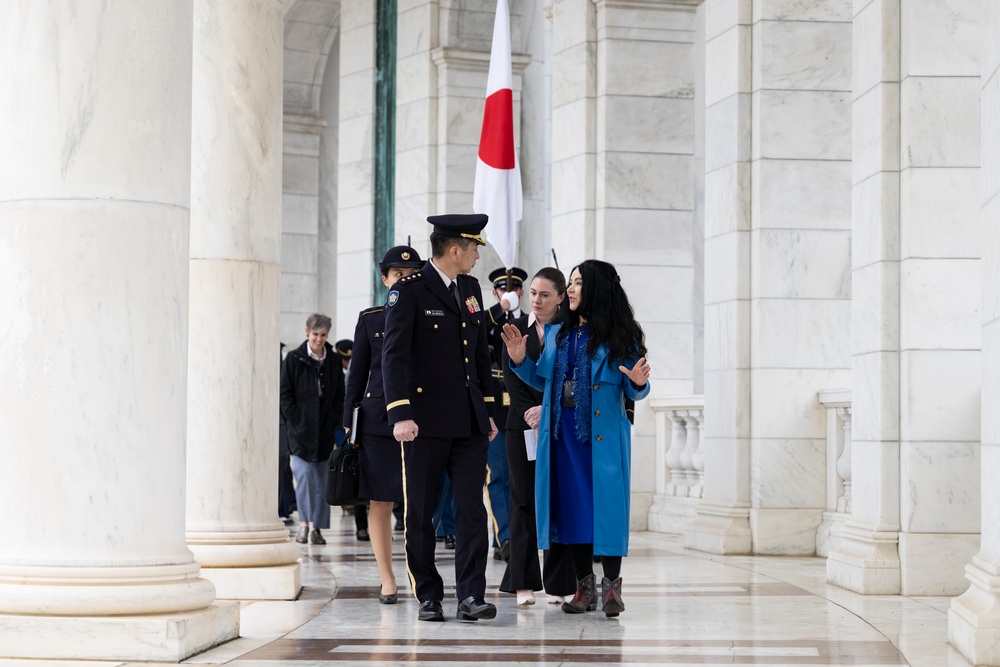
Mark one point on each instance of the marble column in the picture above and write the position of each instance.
(232, 435)
(94, 233)
(777, 255)
(355, 160)
(916, 275)
(644, 191)
(974, 618)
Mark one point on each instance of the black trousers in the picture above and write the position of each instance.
(522, 570)
(425, 461)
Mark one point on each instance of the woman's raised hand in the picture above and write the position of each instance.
(639, 374)
(515, 342)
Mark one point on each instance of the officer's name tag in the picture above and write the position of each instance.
(434, 313)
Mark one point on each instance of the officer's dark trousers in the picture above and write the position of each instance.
(424, 463)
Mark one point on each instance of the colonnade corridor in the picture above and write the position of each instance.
(682, 608)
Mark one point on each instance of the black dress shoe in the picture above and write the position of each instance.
(431, 610)
(303, 535)
(362, 535)
(399, 525)
(449, 541)
(502, 552)
(473, 609)
(392, 598)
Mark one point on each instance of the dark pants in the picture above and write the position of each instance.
(522, 570)
(425, 461)
(444, 513)
(498, 487)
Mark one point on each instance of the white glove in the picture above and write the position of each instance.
(511, 298)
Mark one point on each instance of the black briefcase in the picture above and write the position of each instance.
(343, 477)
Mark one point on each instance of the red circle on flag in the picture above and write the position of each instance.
(496, 143)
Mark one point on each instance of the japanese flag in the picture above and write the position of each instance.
(498, 177)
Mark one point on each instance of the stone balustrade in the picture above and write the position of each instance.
(680, 461)
(838, 467)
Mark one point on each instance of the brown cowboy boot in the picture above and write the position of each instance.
(585, 598)
(611, 596)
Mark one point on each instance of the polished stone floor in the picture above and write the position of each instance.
(683, 608)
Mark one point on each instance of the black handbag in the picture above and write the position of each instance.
(343, 477)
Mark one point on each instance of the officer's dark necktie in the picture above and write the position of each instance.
(453, 288)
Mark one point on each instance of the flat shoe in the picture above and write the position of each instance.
(316, 537)
(303, 535)
(525, 598)
(363, 535)
(391, 598)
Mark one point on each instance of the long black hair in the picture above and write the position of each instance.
(610, 318)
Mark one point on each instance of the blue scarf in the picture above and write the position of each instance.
(582, 388)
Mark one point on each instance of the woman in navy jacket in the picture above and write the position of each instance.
(381, 480)
(590, 363)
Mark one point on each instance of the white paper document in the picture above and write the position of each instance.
(531, 443)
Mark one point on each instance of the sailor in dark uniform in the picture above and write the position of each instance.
(506, 309)
(381, 480)
(438, 394)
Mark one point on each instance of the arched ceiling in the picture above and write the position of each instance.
(310, 31)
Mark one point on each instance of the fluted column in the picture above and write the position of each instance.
(94, 229)
(232, 436)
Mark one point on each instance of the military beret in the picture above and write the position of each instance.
(402, 256)
(499, 278)
(466, 226)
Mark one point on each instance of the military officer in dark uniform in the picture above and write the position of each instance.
(381, 480)
(498, 474)
(437, 383)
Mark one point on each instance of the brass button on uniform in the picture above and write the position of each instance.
(369, 394)
(465, 342)
(435, 326)
(463, 325)
(420, 390)
(466, 360)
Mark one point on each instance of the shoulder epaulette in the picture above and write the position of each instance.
(374, 309)
(412, 277)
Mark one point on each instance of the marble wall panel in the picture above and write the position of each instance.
(802, 55)
(576, 66)
(648, 125)
(300, 174)
(727, 199)
(731, 416)
(875, 396)
(875, 45)
(785, 532)
(876, 230)
(788, 473)
(291, 328)
(939, 304)
(357, 94)
(990, 159)
(354, 185)
(411, 217)
(299, 251)
(941, 489)
(940, 395)
(875, 131)
(727, 137)
(646, 180)
(299, 214)
(573, 24)
(463, 119)
(569, 179)
(726, 345)
(932, 200)
(571, 124)
(791, 408)
(728, 64)
(802, 194)
(875, 308)
(671, 303)
(354, 229)
(728, 475)
(301, 95)
(354, 141)
(667, 24)
(652, 69)
(721, 15)
(360, 42)
(299, 143)
(990, 262)
(729, 258)
(670, 348)
(411, 167)
(804, 264)
(934, 564)
(802, 10)
(940, 37)
(656, 238)
(414, 28)
(931, 103)
(990, 463)
(800, 333)
(305, 35)
(414, 126)
(802, 124)
(875, 480)
(299, 66)
(573, 236)
(298, 292)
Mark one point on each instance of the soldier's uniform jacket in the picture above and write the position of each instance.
(364, 387)
(495, 319)
(435, 357)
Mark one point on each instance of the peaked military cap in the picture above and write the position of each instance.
(344, 348)
(499, 278)
(402, 257)
(466, 226)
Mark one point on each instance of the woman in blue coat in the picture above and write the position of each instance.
(590, 363)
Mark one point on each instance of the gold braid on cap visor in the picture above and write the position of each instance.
(475, 237)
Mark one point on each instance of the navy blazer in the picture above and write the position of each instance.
(364, 382)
